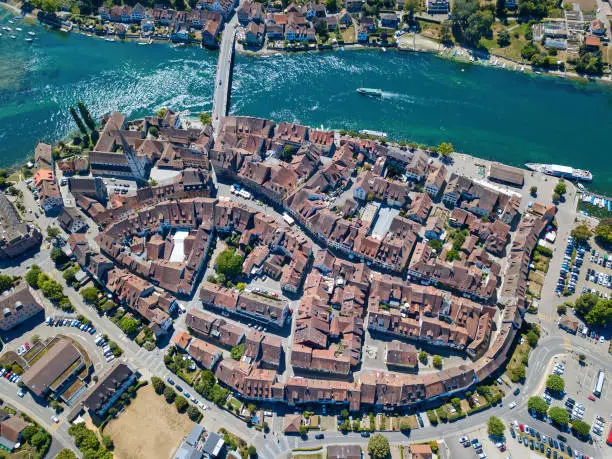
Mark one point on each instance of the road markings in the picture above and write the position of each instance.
(567, 344)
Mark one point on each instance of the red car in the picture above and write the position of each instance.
(8, 374)
(27, 346)
(522, 427)
(590, 397)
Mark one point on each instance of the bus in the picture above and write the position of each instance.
(599, 383)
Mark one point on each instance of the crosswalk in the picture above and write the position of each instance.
(567, 344)
(151, 360)
(547, 317)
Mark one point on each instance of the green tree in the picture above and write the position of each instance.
(181, 403)
(28, 433)
(435, 244)
(589, 63)
(446, 35)
(437, 362)
(423, 357)
(603, 234)
(532, 338)
(107, 442)
(378, 447)
(559, 416)
(503, 37)
(170, 394)
(39, 439)
(158, 384)
(75, 115)
(65, 454)
(303, 430)
(90, 294)
(581, 428)
(404, 426)
(237, 352)
(205, 118)
(500, 10)
(6, 282)
(31, 276)
(129, 325)
(601, 314)
(193, 413)
(555, 383)
(495, 427)
(252, 451)
(537, 404)
(561, 187)
(57, 256)
(445, 149)
(561, 309)
(287, 153)
(320, 26)
(581, 233)
(585, 303)
(89, 121)
(533, 191)
(229, 263)
(529, 50)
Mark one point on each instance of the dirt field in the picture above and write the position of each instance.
(149, 428)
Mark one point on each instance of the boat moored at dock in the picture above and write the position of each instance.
(556, 170)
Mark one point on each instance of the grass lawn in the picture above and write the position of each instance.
(149, 427)
(307, 456)
(521, 352)
(234, 404)
(513, 50)
(348, 35)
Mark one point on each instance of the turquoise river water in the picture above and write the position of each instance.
(491, 113)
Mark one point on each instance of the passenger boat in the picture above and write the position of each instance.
(561, 171)
(370, 92)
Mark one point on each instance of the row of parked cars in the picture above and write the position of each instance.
(187, 395)
(475, 443)
(575, 410)
(63, 322)
(10, 375)
(599, 278)
(542, 443)
(568, 275)
(598, 425)
(101, 342)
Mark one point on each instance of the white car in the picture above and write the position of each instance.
(55, 419)
(21, 394)
(512, 405)
(601, 339)
(464, 439)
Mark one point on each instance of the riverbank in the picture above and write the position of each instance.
(407, 42)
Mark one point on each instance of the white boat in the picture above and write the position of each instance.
(29, 40)
(11, 22)
(383, 49)
(109, 39)
(13, 37)
(31, 34)
(18, 29)
(556, 170)
(8, 29)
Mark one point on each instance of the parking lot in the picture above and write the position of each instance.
(598, 274)
(526, 441)
(573, 259)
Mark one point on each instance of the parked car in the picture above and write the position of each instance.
(319, 436)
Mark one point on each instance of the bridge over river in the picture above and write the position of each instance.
(223, 78)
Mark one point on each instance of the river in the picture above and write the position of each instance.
(490, 113)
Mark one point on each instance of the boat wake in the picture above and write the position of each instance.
(398, 96)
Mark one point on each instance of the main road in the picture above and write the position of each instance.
(223, 78)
